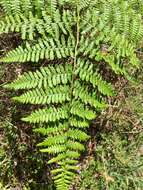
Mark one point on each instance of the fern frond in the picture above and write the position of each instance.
(39, 6)
(6, 4)
(80, 91)
(79, 123)
(31, 19)
(79, 110)
(44, 49)
(52, 6)
(70, 174)
(54, 149)
(50, 141)
(69, 155)
(26, 6)
(86, 72)
(16, 7)
(46, 77)
(77, 38)
(26, 25)
(76, 134)
(51, 130)
(75, 145)
(47, 115)
(47, 96)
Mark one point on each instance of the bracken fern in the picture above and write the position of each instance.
(82, 35)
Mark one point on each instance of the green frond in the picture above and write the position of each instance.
(82, 92)
(15, 6)
(59, 23)
(26, 6)
(45, 77)
(86, 72)
(61, 139)
(58, 158)
(111, 60)
(69, 167)
(39, 6)
(70, 174)
(79, 122)
(30, 18)
(75, 146)
(51, 130)
(54, 149)
(39, 96)
(55, 140)
(68, 155)
(6, 4)
(67, 177)
(25, 24)
(57, 170)
(124, 48)
(10, 24)
(44, 49)
(119, 14)
(82, 4)
(82, 111)
(21, 6)
(85, 4)
(52, 6)
(47, 115)
(76, 134)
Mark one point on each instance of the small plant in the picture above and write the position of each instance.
(81, 41)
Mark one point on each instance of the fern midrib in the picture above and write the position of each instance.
(75, 53)
(73, 75)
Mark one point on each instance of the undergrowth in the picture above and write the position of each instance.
(117, 164)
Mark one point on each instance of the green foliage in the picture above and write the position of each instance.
(115, 165)
(80, 36)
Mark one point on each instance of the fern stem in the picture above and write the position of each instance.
(74, 68)
(75, 50)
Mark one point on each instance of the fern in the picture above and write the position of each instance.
(81, 35)
(48, 49)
